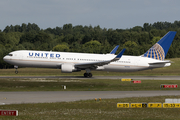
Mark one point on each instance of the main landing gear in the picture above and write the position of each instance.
(88, 73)
(16, 67)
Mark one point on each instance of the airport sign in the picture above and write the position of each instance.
(126, 79)
(154, 105)
(171, 105)
(169, 86)
(122, 105)
(136, 81)
(138, 105)
(8, 113)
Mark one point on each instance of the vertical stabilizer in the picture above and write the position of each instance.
(160, 49)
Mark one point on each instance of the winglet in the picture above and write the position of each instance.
(114, 50)
(119, 55)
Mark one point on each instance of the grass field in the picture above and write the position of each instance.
(82, 85)
(105, 109)
(174, 69)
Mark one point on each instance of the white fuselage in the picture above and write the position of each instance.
(47, 59)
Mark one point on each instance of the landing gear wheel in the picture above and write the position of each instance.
(88, 75)
(85, 74)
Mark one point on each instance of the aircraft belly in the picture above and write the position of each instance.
(121, 68)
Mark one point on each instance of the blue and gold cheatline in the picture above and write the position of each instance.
(155, 52)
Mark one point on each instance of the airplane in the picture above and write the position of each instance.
(70, 62)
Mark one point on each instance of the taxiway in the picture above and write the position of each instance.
(100, 77)
(68, 96)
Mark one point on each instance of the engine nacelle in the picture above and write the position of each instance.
(67, 68)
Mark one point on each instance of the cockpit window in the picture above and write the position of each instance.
(10, 54)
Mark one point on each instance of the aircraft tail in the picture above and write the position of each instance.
(159, 50)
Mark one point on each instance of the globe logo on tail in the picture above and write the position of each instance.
(155, 52)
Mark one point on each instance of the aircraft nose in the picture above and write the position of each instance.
(5, 58)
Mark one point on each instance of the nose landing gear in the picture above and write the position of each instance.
(16, 67)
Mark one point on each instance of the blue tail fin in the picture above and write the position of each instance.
(160, 49)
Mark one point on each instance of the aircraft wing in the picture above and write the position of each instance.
(94, 65)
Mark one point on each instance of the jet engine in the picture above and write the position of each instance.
(68, 68)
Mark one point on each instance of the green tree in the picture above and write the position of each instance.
(28, 46)
(147, 27)
(3, 38)
(28, 37)
(7, 29)
(61, 47)
(23, 27)
(131, 48)
(20, 47)
(130, 44)
(92, 46)
(42, 37)
(155, 40)
(68, 38)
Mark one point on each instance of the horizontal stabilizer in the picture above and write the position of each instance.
(163, 62)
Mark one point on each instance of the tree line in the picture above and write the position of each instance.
(86, 39)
